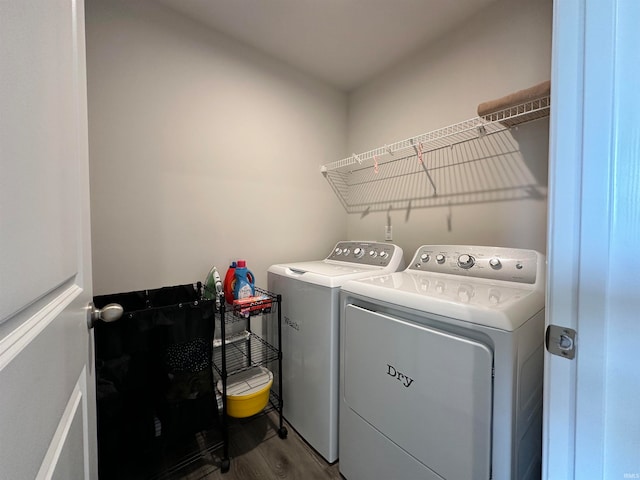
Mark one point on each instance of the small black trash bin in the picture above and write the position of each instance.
(155, 387)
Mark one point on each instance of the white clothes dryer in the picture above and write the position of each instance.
(310, 333)
(442, 367)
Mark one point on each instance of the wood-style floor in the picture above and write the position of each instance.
(258, 453)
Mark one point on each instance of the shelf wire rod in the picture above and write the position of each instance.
(436, 137)
(465, 128)
(418, 150)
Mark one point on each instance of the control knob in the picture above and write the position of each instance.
(495, 263)
(424, 257)
(358, 252)
(384, 254)
(373, 254)
(465, 261)
(338, 251)
(440, 258)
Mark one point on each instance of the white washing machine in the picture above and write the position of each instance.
(442, 367)
(310, 312)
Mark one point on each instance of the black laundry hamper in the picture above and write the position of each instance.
(155, 388)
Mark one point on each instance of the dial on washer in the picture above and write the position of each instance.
(465, 261)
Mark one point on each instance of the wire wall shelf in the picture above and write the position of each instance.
(471, 161)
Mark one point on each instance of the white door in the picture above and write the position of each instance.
(47, 390)
(591, 418)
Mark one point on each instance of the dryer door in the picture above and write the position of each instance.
(427, 391)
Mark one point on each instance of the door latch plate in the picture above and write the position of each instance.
(561, 341)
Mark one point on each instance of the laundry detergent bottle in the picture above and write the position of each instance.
(229, 281)
(244, 285)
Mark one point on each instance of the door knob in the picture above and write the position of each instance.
(108, 313)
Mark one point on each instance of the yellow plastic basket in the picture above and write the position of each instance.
(248, 392)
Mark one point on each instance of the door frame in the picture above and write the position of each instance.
(593, 221)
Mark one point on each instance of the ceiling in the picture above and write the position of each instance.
(342, 42)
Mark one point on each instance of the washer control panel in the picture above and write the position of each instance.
(494, 263)
(365, 253)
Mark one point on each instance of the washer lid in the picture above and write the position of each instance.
(502, 305)
(348, 260)
(326, 272)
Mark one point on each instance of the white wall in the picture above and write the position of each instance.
(505, 48)
(202, 151)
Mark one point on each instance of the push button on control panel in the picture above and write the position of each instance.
(494, 296)
(465, 293)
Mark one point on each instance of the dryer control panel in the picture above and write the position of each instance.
(493, 263)
(366, 253)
